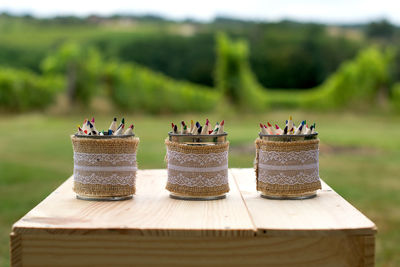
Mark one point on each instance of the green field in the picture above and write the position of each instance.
(360, 159)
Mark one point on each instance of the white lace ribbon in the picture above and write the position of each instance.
(280, 172)
(199, 159)
(200, 176)
(93, 158)
(198, 181)
(105, 169)
(114, 179)
(288, 167)
(194, 169)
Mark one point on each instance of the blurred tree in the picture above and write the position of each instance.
(80, 67)
(234, 77)
(382, 29)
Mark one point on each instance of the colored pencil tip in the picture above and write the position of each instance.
(210, 132)
(115, 119)
(269, 124)
(261, 125)
(197, 124)
(87, 122)
(92, 120)
(131, 126)
(207, 121)
(123, 121)
(222, 122)
(85, 131)
(265, 126)
(290, 118)
(276, 126)
(303, 122)
(199, 130)
(183, 123)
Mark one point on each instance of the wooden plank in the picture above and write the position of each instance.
(326, 214)
(128, 250)
(151, 212)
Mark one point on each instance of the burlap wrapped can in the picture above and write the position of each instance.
(104, 166)
(287, 167)
(199, 169)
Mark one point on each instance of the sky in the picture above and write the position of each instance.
(325, 11)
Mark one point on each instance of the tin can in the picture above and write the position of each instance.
(197, 166)
(287, 166)
(104, 166)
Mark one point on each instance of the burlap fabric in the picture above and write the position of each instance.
(105, 167)
(287, 168)
(197, 171)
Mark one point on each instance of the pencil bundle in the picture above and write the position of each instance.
(287, 161)
(89, 128)
(198, 129)
(197, 161)
(290, 128)
(104, 168)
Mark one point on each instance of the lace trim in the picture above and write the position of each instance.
(105, 168)
(113, 179)
(193, 169)
(288, 167)
(201, 159)
(109, 158)
(284, 157)
(198, 181)
(283, 178)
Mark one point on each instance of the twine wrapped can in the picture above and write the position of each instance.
(104, 166)
(197, 166)
(287, 166)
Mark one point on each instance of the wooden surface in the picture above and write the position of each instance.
(241, 230)
(326, 214)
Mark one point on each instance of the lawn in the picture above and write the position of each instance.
(360, 159)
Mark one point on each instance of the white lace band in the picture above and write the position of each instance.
(288, 168)
(93, 158)
(105, 168)
(193, 169)
(197, 170)
(198, 181)
(114, 179)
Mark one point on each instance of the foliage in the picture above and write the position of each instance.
(80, 66)
(234, 77)
(396, 96)
(136, 88)
(22, 90)
(283, 55)
(356, 83)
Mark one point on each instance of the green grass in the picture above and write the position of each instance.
(360, 156)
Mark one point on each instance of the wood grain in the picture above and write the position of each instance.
(150, 212)
(133, 250)
(326, 214)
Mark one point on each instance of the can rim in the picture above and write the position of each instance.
(103, 136)
(287, 135)
(198, 135)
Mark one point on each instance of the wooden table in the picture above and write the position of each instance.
(241, 230)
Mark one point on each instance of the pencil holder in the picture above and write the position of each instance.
(104, 166)
(287, 166)
(197, 166)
